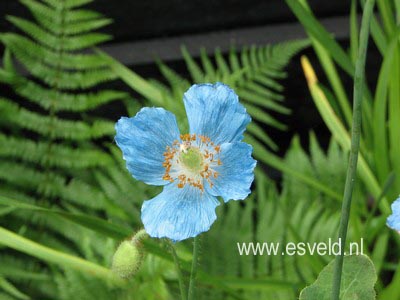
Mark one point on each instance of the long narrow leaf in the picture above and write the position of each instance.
(340, 133)
(19, 243)
(317, 31)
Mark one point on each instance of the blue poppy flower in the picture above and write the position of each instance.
(194, 168)
(393, 221)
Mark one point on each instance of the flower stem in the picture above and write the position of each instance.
(178, 270)
(192, 282)
(355, 144)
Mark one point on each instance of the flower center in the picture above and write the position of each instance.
(192, 160)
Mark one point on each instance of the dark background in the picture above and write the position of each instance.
(146, 29)
(135, 20)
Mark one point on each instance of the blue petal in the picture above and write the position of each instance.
(143, 140)
(179, 213)
(393, 221)
(236, 173)
(215, 111)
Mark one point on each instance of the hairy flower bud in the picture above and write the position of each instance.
(129, 256)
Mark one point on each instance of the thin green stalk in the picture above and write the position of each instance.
(178, 270)
(355, 144)
(193, 273)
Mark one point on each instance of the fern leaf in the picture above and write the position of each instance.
(49, 18)
(7, 77)
(52, 185)
(65, 101)
(52, 126)
(259, 133)
(85, 41)
(48, 150)
(70, 61)
(86, 26)
(195, 71)
(263, 101)
(36, 32)
(64, 80)
(55, 155)
(207, 65)
(7, 62)
(264, 117)
(80, 15)
(83, 194)
(42, 11)
(28, 178)
(67, 3)
(74, 3)
(221, 64)
(56, 42)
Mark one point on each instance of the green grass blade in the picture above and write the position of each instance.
(335, 81)
(378, 35)
(19, 243)
(387, 17)
(319, 33)
(340, 133)
(98, 225)
(397, 9)
(12, 290)
(133, 80)
(380, 137)
(394, 113)
(353, 31)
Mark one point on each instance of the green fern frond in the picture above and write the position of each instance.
(70, 61)
(7, 77)
(69, 43)
(50, 152)
(49, 18)
(52, 185)
(52, 126)
(68, 3)
(83, 41)
(36, 32)
(81, 15)
(13, 193)
(7, 62)
(64, 80)
(54, 156)
(28, 178)
(42, 11)
(123, 200)
(84, 194)
(45, 97)
(85, 26)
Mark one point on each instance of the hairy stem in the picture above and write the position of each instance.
(178, 270)
(355, 145)
(192, 282)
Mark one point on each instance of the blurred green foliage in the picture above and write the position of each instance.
(67, 200)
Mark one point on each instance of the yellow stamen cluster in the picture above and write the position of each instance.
(180, 154)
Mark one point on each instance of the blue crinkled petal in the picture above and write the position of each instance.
(214, 111)
(143, 140)
(236, 173)
(393, 221)
(179, 213)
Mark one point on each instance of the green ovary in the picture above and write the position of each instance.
(192, 159)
